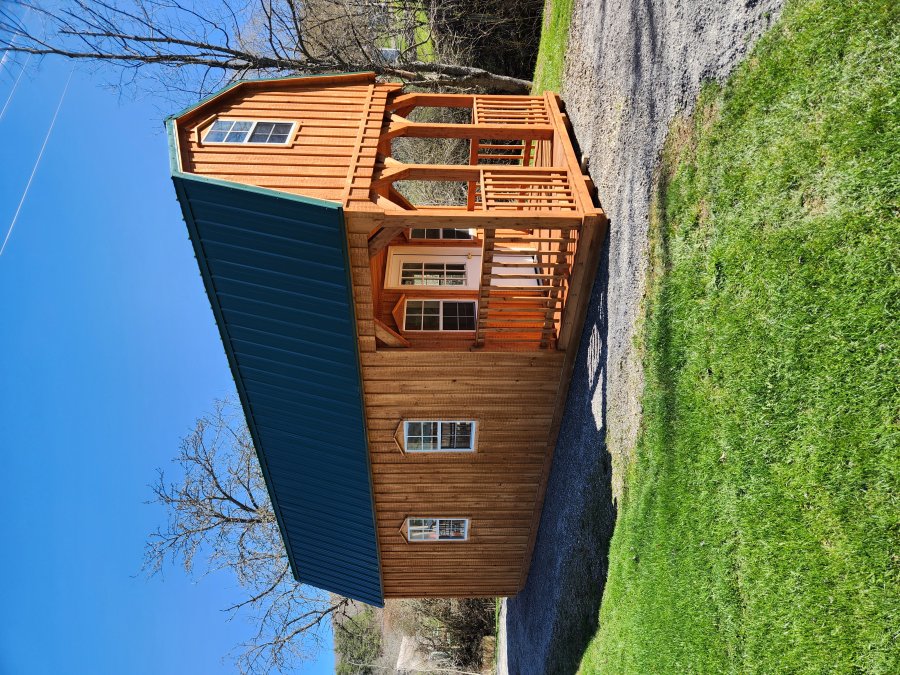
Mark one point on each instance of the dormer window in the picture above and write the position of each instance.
(250, 132)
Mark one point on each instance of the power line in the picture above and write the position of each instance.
(37, 161)
(16, 35)
(14, 87)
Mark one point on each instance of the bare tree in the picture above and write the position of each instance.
(220, 518)
(195, 46)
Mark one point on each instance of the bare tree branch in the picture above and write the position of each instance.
(198, 46)
(219, 517)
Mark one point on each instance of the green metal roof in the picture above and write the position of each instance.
(276, 270)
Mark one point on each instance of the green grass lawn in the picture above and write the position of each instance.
(760, 532)
(548, 70)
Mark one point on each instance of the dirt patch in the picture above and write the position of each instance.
(631, 67)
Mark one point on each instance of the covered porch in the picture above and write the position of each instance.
(537, 220)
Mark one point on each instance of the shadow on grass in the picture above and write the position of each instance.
(659, 319)
(550, 622)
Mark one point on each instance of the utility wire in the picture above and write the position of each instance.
(21, 21)
(14, 87)
(37, 161)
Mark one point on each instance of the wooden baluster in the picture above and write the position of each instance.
(484, 295)
(559, 286)
(473, 159)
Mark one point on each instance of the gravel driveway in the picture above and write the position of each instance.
(631, 66)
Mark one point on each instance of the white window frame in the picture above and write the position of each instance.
(289, 141)
(441, 329)
(470, 230)
(409, 526)
(471, 448)
(397, 255)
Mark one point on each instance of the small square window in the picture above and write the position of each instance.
(458, 315)
(422, 436)
(456, 435)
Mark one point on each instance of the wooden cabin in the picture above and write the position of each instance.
(403, 367)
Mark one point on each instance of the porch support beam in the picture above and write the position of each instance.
(380, 240)
(410, 101)
(506, 132)
(507, 220)
(584, 266)
(388, 336)
(455, 172)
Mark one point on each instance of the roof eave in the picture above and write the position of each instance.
(339, 78)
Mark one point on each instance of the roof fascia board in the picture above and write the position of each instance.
(342, 78)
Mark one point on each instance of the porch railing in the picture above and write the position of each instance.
(531, 205)
(525, 276)
(518, 110)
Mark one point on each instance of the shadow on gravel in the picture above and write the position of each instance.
(550, 623)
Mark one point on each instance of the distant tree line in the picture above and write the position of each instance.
(192, 47)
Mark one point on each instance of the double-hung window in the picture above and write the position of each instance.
(439, 315)
(250, 131)
(439, 436)
(437, 529)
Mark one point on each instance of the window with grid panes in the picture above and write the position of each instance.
(437, 529)
(432, 274)
(439, 436)
(439, 233)
(449, 315)
(249, 131)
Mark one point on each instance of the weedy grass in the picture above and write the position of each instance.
(548, 70)
(760, 532)
(423, 37)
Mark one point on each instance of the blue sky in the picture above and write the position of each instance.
(108, 352)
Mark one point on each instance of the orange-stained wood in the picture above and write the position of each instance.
(332, 149)
(526, 197)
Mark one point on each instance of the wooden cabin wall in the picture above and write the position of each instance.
(332, 121)
(512, 395)
(515, 396)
